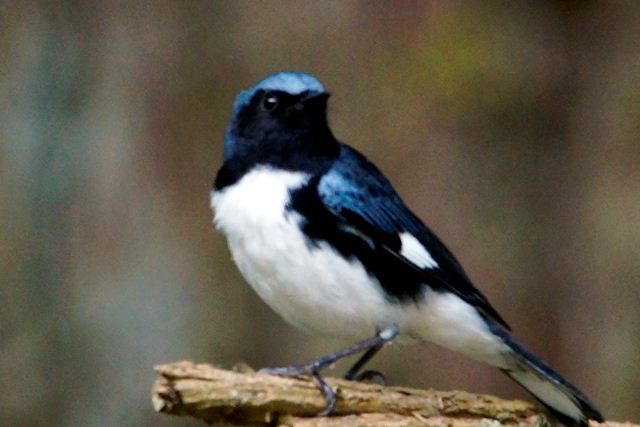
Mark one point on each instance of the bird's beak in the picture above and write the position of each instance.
(316, 99)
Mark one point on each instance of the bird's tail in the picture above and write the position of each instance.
(561, 398)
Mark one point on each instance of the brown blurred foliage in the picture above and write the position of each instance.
(511, 128)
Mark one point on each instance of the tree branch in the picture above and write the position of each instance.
(245, 397)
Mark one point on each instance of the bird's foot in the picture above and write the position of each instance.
(369, 346)
(312, 369)
(329, 395)
(290, 371)
(368, 376)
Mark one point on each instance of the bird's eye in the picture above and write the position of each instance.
(271, 102)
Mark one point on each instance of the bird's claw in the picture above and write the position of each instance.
(371, 376)
(329, 395)
(287, 371)
(309, 369)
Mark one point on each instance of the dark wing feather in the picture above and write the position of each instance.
(364, 201)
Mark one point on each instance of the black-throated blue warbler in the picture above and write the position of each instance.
(324, 239)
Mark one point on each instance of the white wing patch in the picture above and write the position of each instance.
(415, 252)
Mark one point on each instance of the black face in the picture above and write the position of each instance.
(284, 130)
(280, 130)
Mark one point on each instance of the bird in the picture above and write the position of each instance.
(325, 240)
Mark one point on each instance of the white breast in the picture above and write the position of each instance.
(312, 287)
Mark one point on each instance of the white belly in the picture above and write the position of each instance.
(312, 287)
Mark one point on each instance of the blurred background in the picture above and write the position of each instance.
(511, 128)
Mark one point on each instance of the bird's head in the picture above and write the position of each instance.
(281, 120)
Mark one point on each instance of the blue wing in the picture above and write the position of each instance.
(365, 203)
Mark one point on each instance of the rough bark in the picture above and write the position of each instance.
(242, 396)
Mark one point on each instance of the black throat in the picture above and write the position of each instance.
(311, 150)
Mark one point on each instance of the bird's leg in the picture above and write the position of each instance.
(376, 342)
(370, 346)
(354, 374)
